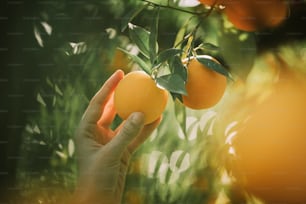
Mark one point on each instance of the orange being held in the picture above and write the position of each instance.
(138, 92)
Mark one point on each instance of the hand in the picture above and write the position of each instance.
(103, 153)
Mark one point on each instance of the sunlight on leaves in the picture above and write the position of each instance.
(41, 100)
(78, 48)
(188, 3)
(173, 177)
(152, 162)
(232, 151)
(204, 120)
(153, 135)
(230, 134)
(225, 178)
(36, 129)
(140, 37)
(54, 100)
(32, 130)
(61, 155)
(222, 198)
(38, 37)
(175, 157)
(47, 27)
(111, 32)
(163, 169)
(243, 36)
(29, 129)
(71, 147)
(57, 90)
(180, 132)
(192, 126)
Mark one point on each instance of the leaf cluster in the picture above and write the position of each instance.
(168, 67)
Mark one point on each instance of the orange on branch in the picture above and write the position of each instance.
(253, 15)
(270, 146)
(138, 92)
(205, 87)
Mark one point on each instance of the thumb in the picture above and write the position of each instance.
(131, 128)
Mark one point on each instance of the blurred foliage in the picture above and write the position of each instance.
(183, 160)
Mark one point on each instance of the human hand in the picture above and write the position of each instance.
(103, 153)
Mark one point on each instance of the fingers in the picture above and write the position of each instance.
(145, 133)
(96, 105)
(109, 113)
(131, 128)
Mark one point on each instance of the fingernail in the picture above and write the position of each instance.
(138, 117)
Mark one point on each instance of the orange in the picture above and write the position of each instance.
(211, 2)
(270, 146)
(253, 15)
(204, 86)
(138, 92)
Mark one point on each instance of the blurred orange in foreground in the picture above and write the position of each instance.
(138, 92)
(204, 86)
(253, 15)
(271, 145)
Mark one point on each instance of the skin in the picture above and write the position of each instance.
(103, 153)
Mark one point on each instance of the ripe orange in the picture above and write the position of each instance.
(252, 15)
(270, 146)
(204, 86)
(138, 92)
(211, 2)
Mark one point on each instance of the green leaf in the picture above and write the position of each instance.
(189, 46)
(210, 63)
(143, 65)
(140, 37)
(167, 54)
(180, 36)
(36, 129)
(58, 90)
(177, 67)
(153, 36)
(173, 83)
(71, 147)
(177, 96)
(40, 99)
(131, 15)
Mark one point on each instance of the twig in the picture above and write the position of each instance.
(174, 8)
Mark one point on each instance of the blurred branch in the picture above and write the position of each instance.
(174, 8)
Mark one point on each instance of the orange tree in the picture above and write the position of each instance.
(185, 159)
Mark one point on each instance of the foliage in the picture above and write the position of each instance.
(183, 161)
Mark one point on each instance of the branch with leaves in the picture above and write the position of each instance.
(169, 60)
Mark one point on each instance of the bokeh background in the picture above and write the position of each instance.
(56, 54)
